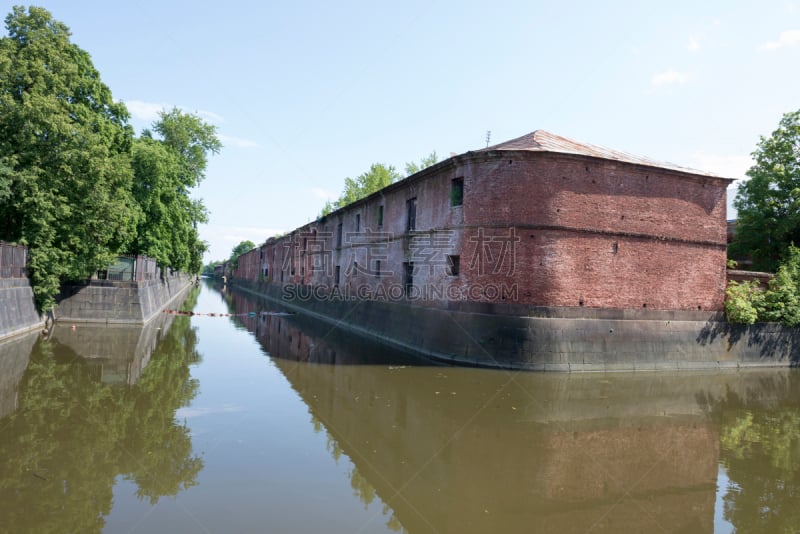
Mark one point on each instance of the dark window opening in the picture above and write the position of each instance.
(453, 265)
(380, 215)
(339, 236)
(336, 276)
(358, 222)
(457, 192)
(408, 276)
(412, 215)
(377, 267)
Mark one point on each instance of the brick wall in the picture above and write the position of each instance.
(534, 228)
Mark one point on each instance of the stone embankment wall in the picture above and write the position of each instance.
(107, 301)
(17, 308)
(554, 339)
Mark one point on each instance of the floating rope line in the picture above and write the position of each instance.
(212, 314)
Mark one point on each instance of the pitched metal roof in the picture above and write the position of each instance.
(542, 141)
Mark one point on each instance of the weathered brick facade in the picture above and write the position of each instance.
(537, 221)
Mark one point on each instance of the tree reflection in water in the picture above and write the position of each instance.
(72, 435)
(761, 453)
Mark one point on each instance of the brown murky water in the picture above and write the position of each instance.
(267, 423)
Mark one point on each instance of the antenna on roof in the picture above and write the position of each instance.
(488, 136)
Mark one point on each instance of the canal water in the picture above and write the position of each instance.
(263, 422)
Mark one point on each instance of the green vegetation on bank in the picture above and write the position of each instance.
(76, 186)
(747, 303)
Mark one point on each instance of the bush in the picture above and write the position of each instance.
(743, 302)
(746, 303)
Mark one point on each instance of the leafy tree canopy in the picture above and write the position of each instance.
(65, 173)
(238, 250)
(378, 177)
(428, 161)
(769, 202)
(165, 171)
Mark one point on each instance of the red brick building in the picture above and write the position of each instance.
(538, 221)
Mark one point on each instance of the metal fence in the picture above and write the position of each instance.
(13, 260)
(131, 268)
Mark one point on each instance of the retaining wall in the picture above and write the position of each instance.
(106, 301)
(17, 308)
(552, 339)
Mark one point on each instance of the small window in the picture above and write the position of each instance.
(377, 267)
(358, 222)
(457, 192)
(453, 265)
(339, 236)
(380, 215)
(411, 208)
(336, 276)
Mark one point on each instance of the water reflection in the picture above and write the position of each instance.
(94, 404)
(14, 356)
(463, 450)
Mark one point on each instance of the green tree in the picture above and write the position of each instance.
(65, 171)
(428, 161)
(208, 269)
(378, 177)
(166, 170)
(769, 202)
(238, 250)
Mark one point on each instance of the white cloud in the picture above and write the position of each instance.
(196, 412)
(669, 77)
(322, 194)
(787, 38)
(694, 44)
(146, 111)
(229, 140)
(210, 116)
(725, 165)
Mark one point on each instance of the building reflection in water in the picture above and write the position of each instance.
(468, 450)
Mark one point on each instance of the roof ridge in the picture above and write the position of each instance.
(544, 141)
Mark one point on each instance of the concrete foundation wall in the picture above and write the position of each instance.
(553, 339)
(17, 308)
(105, 301)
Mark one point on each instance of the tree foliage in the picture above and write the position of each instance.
(165, 171)
(769, 202)
(746, 303)
(376, 178)
(65, 174)
(238, 250)
(76, 187)
(428, 161)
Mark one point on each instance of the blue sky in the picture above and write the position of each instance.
(305, 94)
